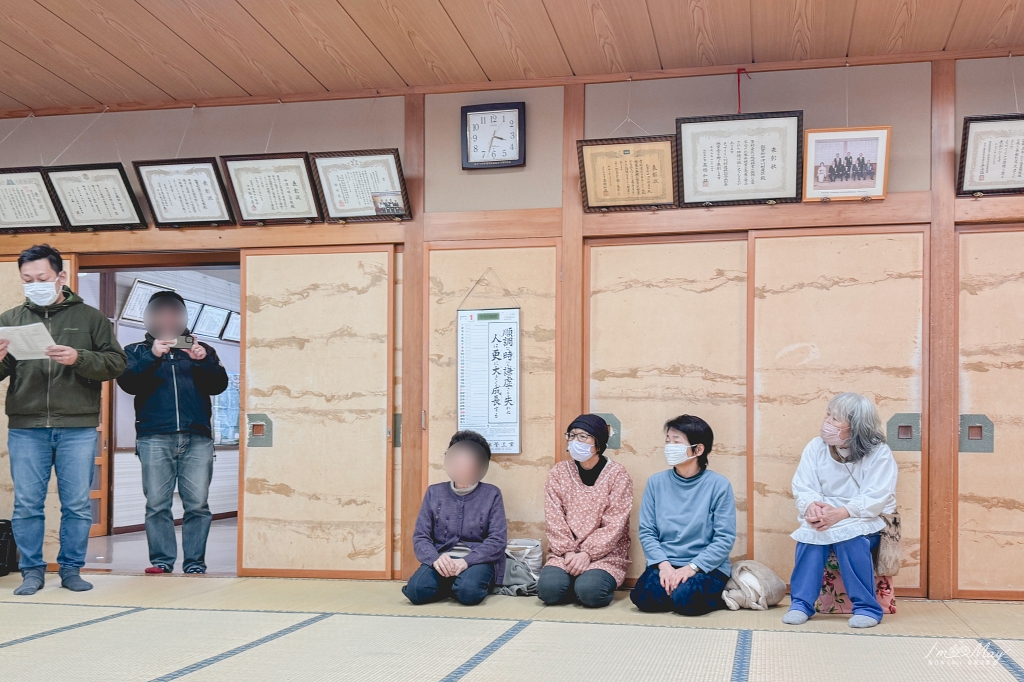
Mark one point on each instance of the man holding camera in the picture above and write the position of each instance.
(172, 377)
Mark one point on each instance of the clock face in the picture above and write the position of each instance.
(493, 136)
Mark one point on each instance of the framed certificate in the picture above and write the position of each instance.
(96, 196)
(192, 309)
(844, 164)
(211, 322)
(185, 192)
(138, 298)
(27, 202)
(362, 185)
(992, 155)
(233, 329)
(628, 173)
(272, 189)
(741, 158)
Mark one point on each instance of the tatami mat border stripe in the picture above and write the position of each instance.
(189, 669)
(1004, 658)
(741, 659)
(73, 626)
(484, 653)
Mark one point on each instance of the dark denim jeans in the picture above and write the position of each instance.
(34, 452)
(469, 587)
(593, 588)
(184, 459)
(701, 594)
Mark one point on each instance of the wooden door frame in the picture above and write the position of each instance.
(387, 572)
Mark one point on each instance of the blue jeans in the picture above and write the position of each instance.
(72, 452)
(184, 459)
(593, 588)
(700, 594)
(469, 587)
(856, 565)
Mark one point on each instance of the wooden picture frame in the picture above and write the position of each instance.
(96, 196)
(202, 178)
(372, 206)
(986, 139)
(863, 177)
(609, 157)
(295, 164)
(519, 130)
(20, 189)
(706, 182)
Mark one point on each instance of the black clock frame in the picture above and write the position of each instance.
(505, 163)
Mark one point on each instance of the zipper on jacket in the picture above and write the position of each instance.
(174, 380)
(49, 373)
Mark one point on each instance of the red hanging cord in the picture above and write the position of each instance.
(739, 98)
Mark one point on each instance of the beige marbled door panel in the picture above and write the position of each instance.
(316, 362)
(530, 274)
(831, 314)
(990, 541)
(668, 336)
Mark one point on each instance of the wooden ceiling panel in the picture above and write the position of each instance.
(791, 30)
(605, 36)
(234, 42)
(989, 23)
(323, 37)
(41, 36)
(701, 32)
(419, 40)
(512, 39)
(35, 87)
(136, 37)
(898, 26)
(10, 104)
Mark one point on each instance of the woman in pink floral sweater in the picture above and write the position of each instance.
(586, 513)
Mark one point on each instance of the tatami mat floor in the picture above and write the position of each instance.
(209, 628)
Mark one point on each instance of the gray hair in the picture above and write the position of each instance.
(866, 432)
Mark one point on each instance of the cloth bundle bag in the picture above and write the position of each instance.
(833, 597)
(753, 586)
(523, 560)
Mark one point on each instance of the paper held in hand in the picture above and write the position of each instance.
(27, 342)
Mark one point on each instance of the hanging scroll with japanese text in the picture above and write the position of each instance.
(488, 376)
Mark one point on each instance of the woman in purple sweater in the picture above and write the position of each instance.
(460, 533)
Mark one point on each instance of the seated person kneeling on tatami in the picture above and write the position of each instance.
(460, 533)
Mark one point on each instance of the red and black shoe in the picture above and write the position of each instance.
(157, 570)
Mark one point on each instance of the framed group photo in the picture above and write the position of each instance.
(185, 192)
(272, 189)
(96, 196)
(737, 159)
(846, 163)
(360, 186)
(992, 155)
(28, 202)
(628, 173)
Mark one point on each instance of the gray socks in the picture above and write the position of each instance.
(70, 579)
(794, 617)
(32, 580)
(862, 622)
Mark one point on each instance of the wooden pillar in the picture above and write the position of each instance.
(943, 401)
(569, 370)
(413, 268)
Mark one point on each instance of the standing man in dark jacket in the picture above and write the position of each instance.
(53, 409)
(172, 388)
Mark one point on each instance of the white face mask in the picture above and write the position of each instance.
(676, 453)
(580, 451)
(41, 293)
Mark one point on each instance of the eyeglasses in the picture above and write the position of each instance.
(581, 436)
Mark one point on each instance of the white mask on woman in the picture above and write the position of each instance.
(677, 453)
(41, 293)
(580, 451)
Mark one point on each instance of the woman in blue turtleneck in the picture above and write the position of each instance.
(687, 526)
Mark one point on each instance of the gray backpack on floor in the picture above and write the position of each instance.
(523, 560)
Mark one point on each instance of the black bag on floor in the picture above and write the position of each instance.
(8, 550)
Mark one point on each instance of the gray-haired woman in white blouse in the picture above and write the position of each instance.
(845, 481)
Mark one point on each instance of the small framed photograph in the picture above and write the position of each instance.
(185, 192)
(27, 202)
(96, 196)
(233, 329)
(272, 189)
(992, 156)
(739, 159)
(362, 185)
(192, 309)
(138, 298)
(846, 164)
(211, 322)
(628, 173)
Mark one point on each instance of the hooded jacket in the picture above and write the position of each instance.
(47, 394)
(172, 392)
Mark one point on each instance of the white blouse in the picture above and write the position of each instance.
(866, 488)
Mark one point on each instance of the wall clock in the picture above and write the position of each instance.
(493, 135)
